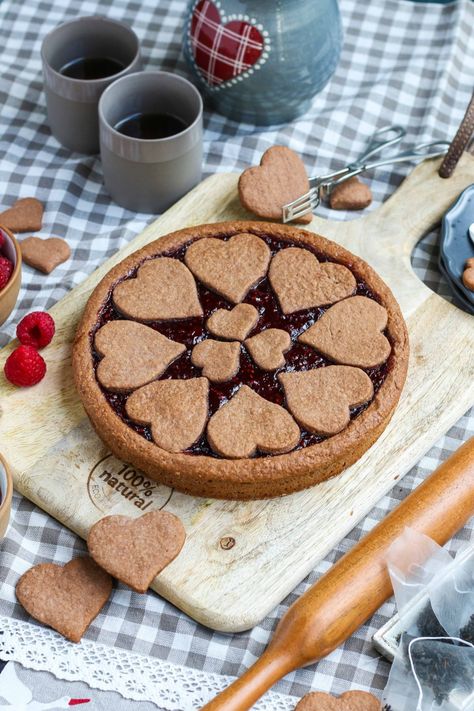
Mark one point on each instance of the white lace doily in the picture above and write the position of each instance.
(135, 677)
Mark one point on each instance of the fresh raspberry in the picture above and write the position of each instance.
(36, 329)
(24, 367)
(6, 268)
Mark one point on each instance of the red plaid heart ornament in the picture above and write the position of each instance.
(225, 50)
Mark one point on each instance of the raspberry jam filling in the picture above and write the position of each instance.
(191, 331)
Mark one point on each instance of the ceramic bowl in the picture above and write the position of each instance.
(9, 293)
(455, 245)
(6, 489)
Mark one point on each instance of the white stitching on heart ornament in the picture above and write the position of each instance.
(225, 49)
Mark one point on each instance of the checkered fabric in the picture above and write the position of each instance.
(401, 63)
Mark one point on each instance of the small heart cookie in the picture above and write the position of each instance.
(230, 268)
(350, 333)
(123, 343)
(44, 254)
(248, 423)
(279, 179)
(300, 281)
(135, 550)
(66, 598)
(320, 399)
(349, 701)
(219, 361)
(25, 215)
(177, 411)
(163, 289)
(268, 347)
(352, 194)
(234, 325)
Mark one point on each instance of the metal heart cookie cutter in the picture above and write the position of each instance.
(322, 186)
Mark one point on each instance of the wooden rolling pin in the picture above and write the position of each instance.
(357, 585)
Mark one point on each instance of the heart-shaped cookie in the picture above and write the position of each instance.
(279, 179)
(163, 289)
(349, 701)
(230, 268)
(320, 399)
(135, 550)
(219, 361)
(350, 333)
(177, 411)
(300, 281)
(67, 598)
(248, 423)
(25, 215)
(352, 194)
(234, 325)
(123, 343)
(44, 254)
(268, 347)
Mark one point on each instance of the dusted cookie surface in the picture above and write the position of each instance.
(234, 324)
(177, 411)
(349, 701)
(320, 399)
(66, 598)
(44, 254)
(279, 179)
(268, 348)
(229, 268)
(352, 194)
(134, 354)
(136, 550)
(350, 332)
(248, 423)
(219, 361)
(25, 215)
(300, 281)
(163, 289)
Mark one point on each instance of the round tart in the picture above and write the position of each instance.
(241, 360)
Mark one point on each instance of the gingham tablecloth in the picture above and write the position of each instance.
(403, 63)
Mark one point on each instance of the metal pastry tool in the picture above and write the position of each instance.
(321, 186)
(357, 585)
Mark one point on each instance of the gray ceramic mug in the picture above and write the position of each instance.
(72, 102)
(149, 175)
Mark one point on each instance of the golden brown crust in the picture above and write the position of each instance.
(258, 477)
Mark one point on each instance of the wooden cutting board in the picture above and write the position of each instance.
(241, 559)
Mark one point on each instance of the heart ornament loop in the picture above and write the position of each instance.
(225, 49)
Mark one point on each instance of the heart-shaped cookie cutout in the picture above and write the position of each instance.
(279, 179)
(350, 333)
(231, 267)
(248, 423)
(352, 194)
(234, 325)
(320, 399)
(300, 281)
(163, 289)
(135, 550)
(268, 347)
(44, 254)
(126, 343)
(25, 215)
(66, 598)
(349, 701)
(219, 361)
(177, 411)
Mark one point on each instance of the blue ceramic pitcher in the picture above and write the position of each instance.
(262, 61)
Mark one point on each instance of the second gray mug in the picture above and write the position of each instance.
(150, 174)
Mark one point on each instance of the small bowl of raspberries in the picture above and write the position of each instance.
(10, 273)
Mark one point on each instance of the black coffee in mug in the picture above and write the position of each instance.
(90, 68)
(150, 126)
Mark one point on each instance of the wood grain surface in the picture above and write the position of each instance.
(241, 558)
